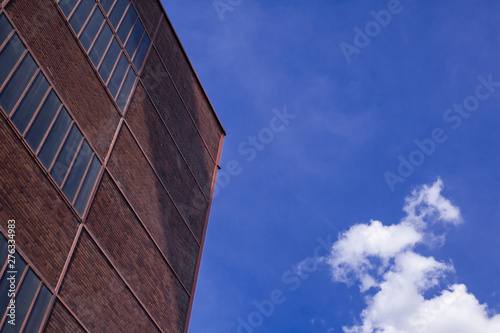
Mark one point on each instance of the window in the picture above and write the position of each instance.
(31, 297)
(35, 109)
(100, 41)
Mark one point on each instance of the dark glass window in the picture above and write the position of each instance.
(20, 265)
(81, 14)
(66, 155)
(67, 6)
(126, 88)
(55, 138)
(25, 297)
(77, 172)
(134, 39)
(106, 5)
(127, 24)
(38, 311)
(109, 60)
(30, 102)
(91, 29)
(9, 56)
(141, 52)
(118, 74)
(88, 185)
(5, 28)
(17, 83)
(100, 45)
(117, 12)
(43, 120)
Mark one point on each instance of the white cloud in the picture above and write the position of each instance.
(383, 258)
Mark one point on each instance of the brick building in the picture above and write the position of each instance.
(109, 152)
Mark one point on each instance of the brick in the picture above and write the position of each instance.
(117, 229)
(61, 321)
(45, 225)
(94, 291)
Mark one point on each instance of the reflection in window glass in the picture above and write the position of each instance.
(109, 60)
(88, 185)
(118, 74)
(91, 29)
(55, 138)
(67, 6)
(25, 296)
(4, 283)
(38, 311)
(17, 83)
(9, 56)
(3, 250)
(43, 120)
(77, 172)
(127, 23)
(141, 52)
(81, 14)
(100, 45)
(30, 102)
(106, 5)
(5, 28)
(117, 12)
(126, 88)
(134, 39)
(66, 155)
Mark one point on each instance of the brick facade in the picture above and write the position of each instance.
(130, 262)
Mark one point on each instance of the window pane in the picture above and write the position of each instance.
(109, 60)
(81, 14)
(126, 88)
(91, 29)
(88, 185)
(17, 83)
(9, 56)
(117, 12)
(118, 74)
(67, 6)
(5, 28)
(141, 52)
(30, 102)
(77, 172)
(134, 39)
(43, 120)
(100, 45)
(55, 138)
(25, 297)
(38, 311)
(127, 23)
(5, 284)
(66, 155)
(106, 5)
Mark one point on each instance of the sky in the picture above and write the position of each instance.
(359, 189)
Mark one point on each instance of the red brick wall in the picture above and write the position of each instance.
(95, 293)
(67, 68)
(176, 117)
(61, 321)
(188, 86)
(120, 233)
(45, 225)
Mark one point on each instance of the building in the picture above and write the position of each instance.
(109, 154)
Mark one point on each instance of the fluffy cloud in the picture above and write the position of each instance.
(382, 259)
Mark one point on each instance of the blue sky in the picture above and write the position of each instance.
(330, 130)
